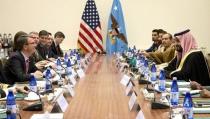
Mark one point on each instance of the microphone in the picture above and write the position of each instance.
(159, 105)
(38, 106)
(143, 81)
(2, 93)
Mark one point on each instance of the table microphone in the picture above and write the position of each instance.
(38, 106)
(159, 105)
(143, 81)
(2, 93)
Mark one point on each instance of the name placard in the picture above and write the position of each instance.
(140, 115)
(62, 103)
(71, 90)
(129, 87)
(72, 79)
(125, 79)
(132, 101)
(80, 73)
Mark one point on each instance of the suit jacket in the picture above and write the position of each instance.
(15, 68)
(56, 50)
(193, 66)
(43, 51)
(153, 48)
(37, 57)
(162, 57)
(2, 76)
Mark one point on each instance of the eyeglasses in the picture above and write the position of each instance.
(44, 37)
(34, 37)
(32, 43)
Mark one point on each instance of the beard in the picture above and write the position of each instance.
(178, 48)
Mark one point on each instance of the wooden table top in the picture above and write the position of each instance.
(101, 96)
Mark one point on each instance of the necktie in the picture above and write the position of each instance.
(57, 48)
(27, 65)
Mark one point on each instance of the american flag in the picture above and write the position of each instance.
(90, 39)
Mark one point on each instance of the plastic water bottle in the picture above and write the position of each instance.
(142, 60)
(59, 70)
(11, 105)
(66, 58)
(58, 65)
(174, 96)
(133, 62)
(33, 84)
(153, 73)
(78, 60)
(188, 106)
(162, 81)
(48, 76)
(69, 69)
(146, 69)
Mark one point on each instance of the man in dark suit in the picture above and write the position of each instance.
(43, 49)
(58, 39)
(20, 65)
(43, 36)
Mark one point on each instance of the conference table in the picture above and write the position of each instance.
(100, 95)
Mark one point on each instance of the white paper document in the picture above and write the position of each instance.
(48, 116)
(80, 73)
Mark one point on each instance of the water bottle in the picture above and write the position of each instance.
(146, 69)
(59, 70)
(162, 81)
(142, 60)
(33, 84)
(11, 105)
(174, 96)
(188, 106)
(133, 62)
(153, 73)
(58, 65)
(66, 58)
(78, 60)
(48, 76)
(69, 69)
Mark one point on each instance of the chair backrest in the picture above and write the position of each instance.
(208, 61)
(1, 64)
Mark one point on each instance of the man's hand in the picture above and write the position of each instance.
(40, 65)
(195, 86)
(38, 74)
(145, 54)
(205, 93)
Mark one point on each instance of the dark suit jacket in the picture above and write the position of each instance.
(194, 68)
(43, 52)
(15, 68)
(57, 51)
(2, 76)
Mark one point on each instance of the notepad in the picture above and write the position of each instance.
(201, 110)
(179, 83)
(180, 89)
(193, 92)
(48, 116)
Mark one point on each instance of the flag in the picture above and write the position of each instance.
(90, 38)
(116, 40)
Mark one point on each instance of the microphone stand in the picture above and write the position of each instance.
(157, 104)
